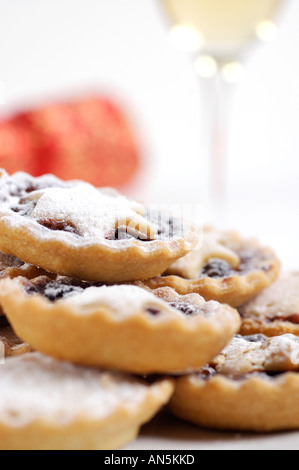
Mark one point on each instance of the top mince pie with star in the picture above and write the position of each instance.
(74, 229)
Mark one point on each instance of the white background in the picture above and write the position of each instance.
(121, 47)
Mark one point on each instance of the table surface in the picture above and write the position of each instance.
(165, 432)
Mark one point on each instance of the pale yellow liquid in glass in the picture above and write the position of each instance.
(224, 26)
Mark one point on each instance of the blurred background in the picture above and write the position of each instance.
(133, 111)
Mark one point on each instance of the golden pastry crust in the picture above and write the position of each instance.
(253, 385)
(228, 268)
(275, 311)
(74, 229)
(256, 404)
(10, 342)
(62, 406)
(122, 327)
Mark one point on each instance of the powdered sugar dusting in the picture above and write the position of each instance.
(281, 299)
(123, 300)
(35, 386)
(92, 212)
(79, 215)
(12, 188)
(258, 353)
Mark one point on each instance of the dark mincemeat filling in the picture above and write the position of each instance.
(184, 307)
(57, 225)
(257, 338)
(218, 268)
(55, 290)
(208, 372)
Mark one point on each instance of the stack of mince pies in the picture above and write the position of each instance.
(111, 310)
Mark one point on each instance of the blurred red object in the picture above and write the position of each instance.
(89, 139)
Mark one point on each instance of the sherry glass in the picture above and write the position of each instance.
(219, 34)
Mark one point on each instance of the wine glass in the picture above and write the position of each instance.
(219, 34)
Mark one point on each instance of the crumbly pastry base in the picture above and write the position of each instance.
(85, 431)
(254, 404)
(137, 343)
(234, 290)
(268, 328)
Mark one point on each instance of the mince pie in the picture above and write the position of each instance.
(227, 268)
(253, 385)
(74, 229)
(275, 310)
(123, 327)
(46, 404)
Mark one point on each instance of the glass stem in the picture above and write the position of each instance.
(216, 105)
